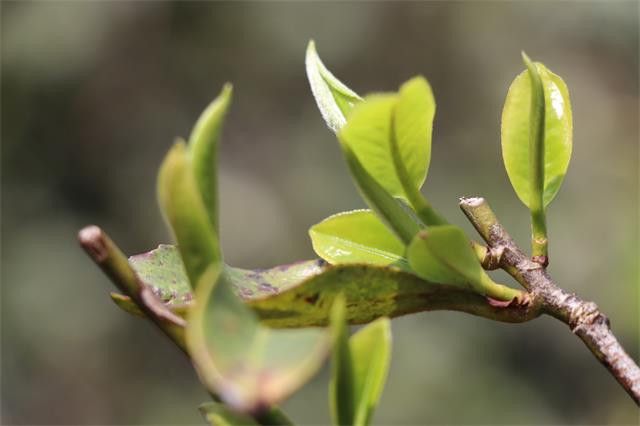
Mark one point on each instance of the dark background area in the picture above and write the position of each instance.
(93, 94)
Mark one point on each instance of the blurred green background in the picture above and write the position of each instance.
(93, 94)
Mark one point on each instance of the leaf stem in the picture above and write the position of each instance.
(536, 165)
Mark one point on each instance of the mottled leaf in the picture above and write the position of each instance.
(334, 99)
(558, 133)
(203, 146)
(357, 237)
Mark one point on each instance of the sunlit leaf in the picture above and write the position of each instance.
(558, 131)
(412, 128)
(357, 237)
(247, 364)
(390, 210)
(334, 99)
(203, 146)
(182, 206)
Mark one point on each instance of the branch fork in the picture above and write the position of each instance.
(583, 318)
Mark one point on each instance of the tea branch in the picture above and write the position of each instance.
(583, 318)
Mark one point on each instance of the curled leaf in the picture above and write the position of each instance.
(334, 99)
(203, 145)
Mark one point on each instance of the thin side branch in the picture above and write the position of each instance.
(583, 318)
(116, 266)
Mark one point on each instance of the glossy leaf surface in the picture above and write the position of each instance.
(247, 364)
(182, 206)
(203, 146)
(334, 99)
(558, 131)
(357, 237)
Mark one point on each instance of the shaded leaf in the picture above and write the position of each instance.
(248, 365)
(443, 254)
(359, 368)
(217, 414)
(357, 237)
(334, 99)
(203, 145)
(558, 134)
(370, 350)
(182, 206)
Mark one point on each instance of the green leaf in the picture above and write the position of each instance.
(390, 210)
(187, 217)
(217, 414)
(558, 134)
(368, 134)
(359, 368)
(412, 125)
(342, 399)
(357, 237)
(203, 145)
(334, 99)
(370, 351)
(248, 365)
(443, 254)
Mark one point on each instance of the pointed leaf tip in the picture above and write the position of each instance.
(334, 99)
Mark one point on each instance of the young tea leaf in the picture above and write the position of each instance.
(357, 237)
(334, 99)
(182, 206)
(203, 145)
(558, 134)
(389, 210)
(443, 254)
(412, 127)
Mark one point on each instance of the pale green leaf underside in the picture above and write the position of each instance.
(370, 350)
(558, 133)
(357, 237)
(334, 99)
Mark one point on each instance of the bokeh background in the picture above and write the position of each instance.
(93, 94)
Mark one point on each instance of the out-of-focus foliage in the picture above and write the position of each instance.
(90, 92)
